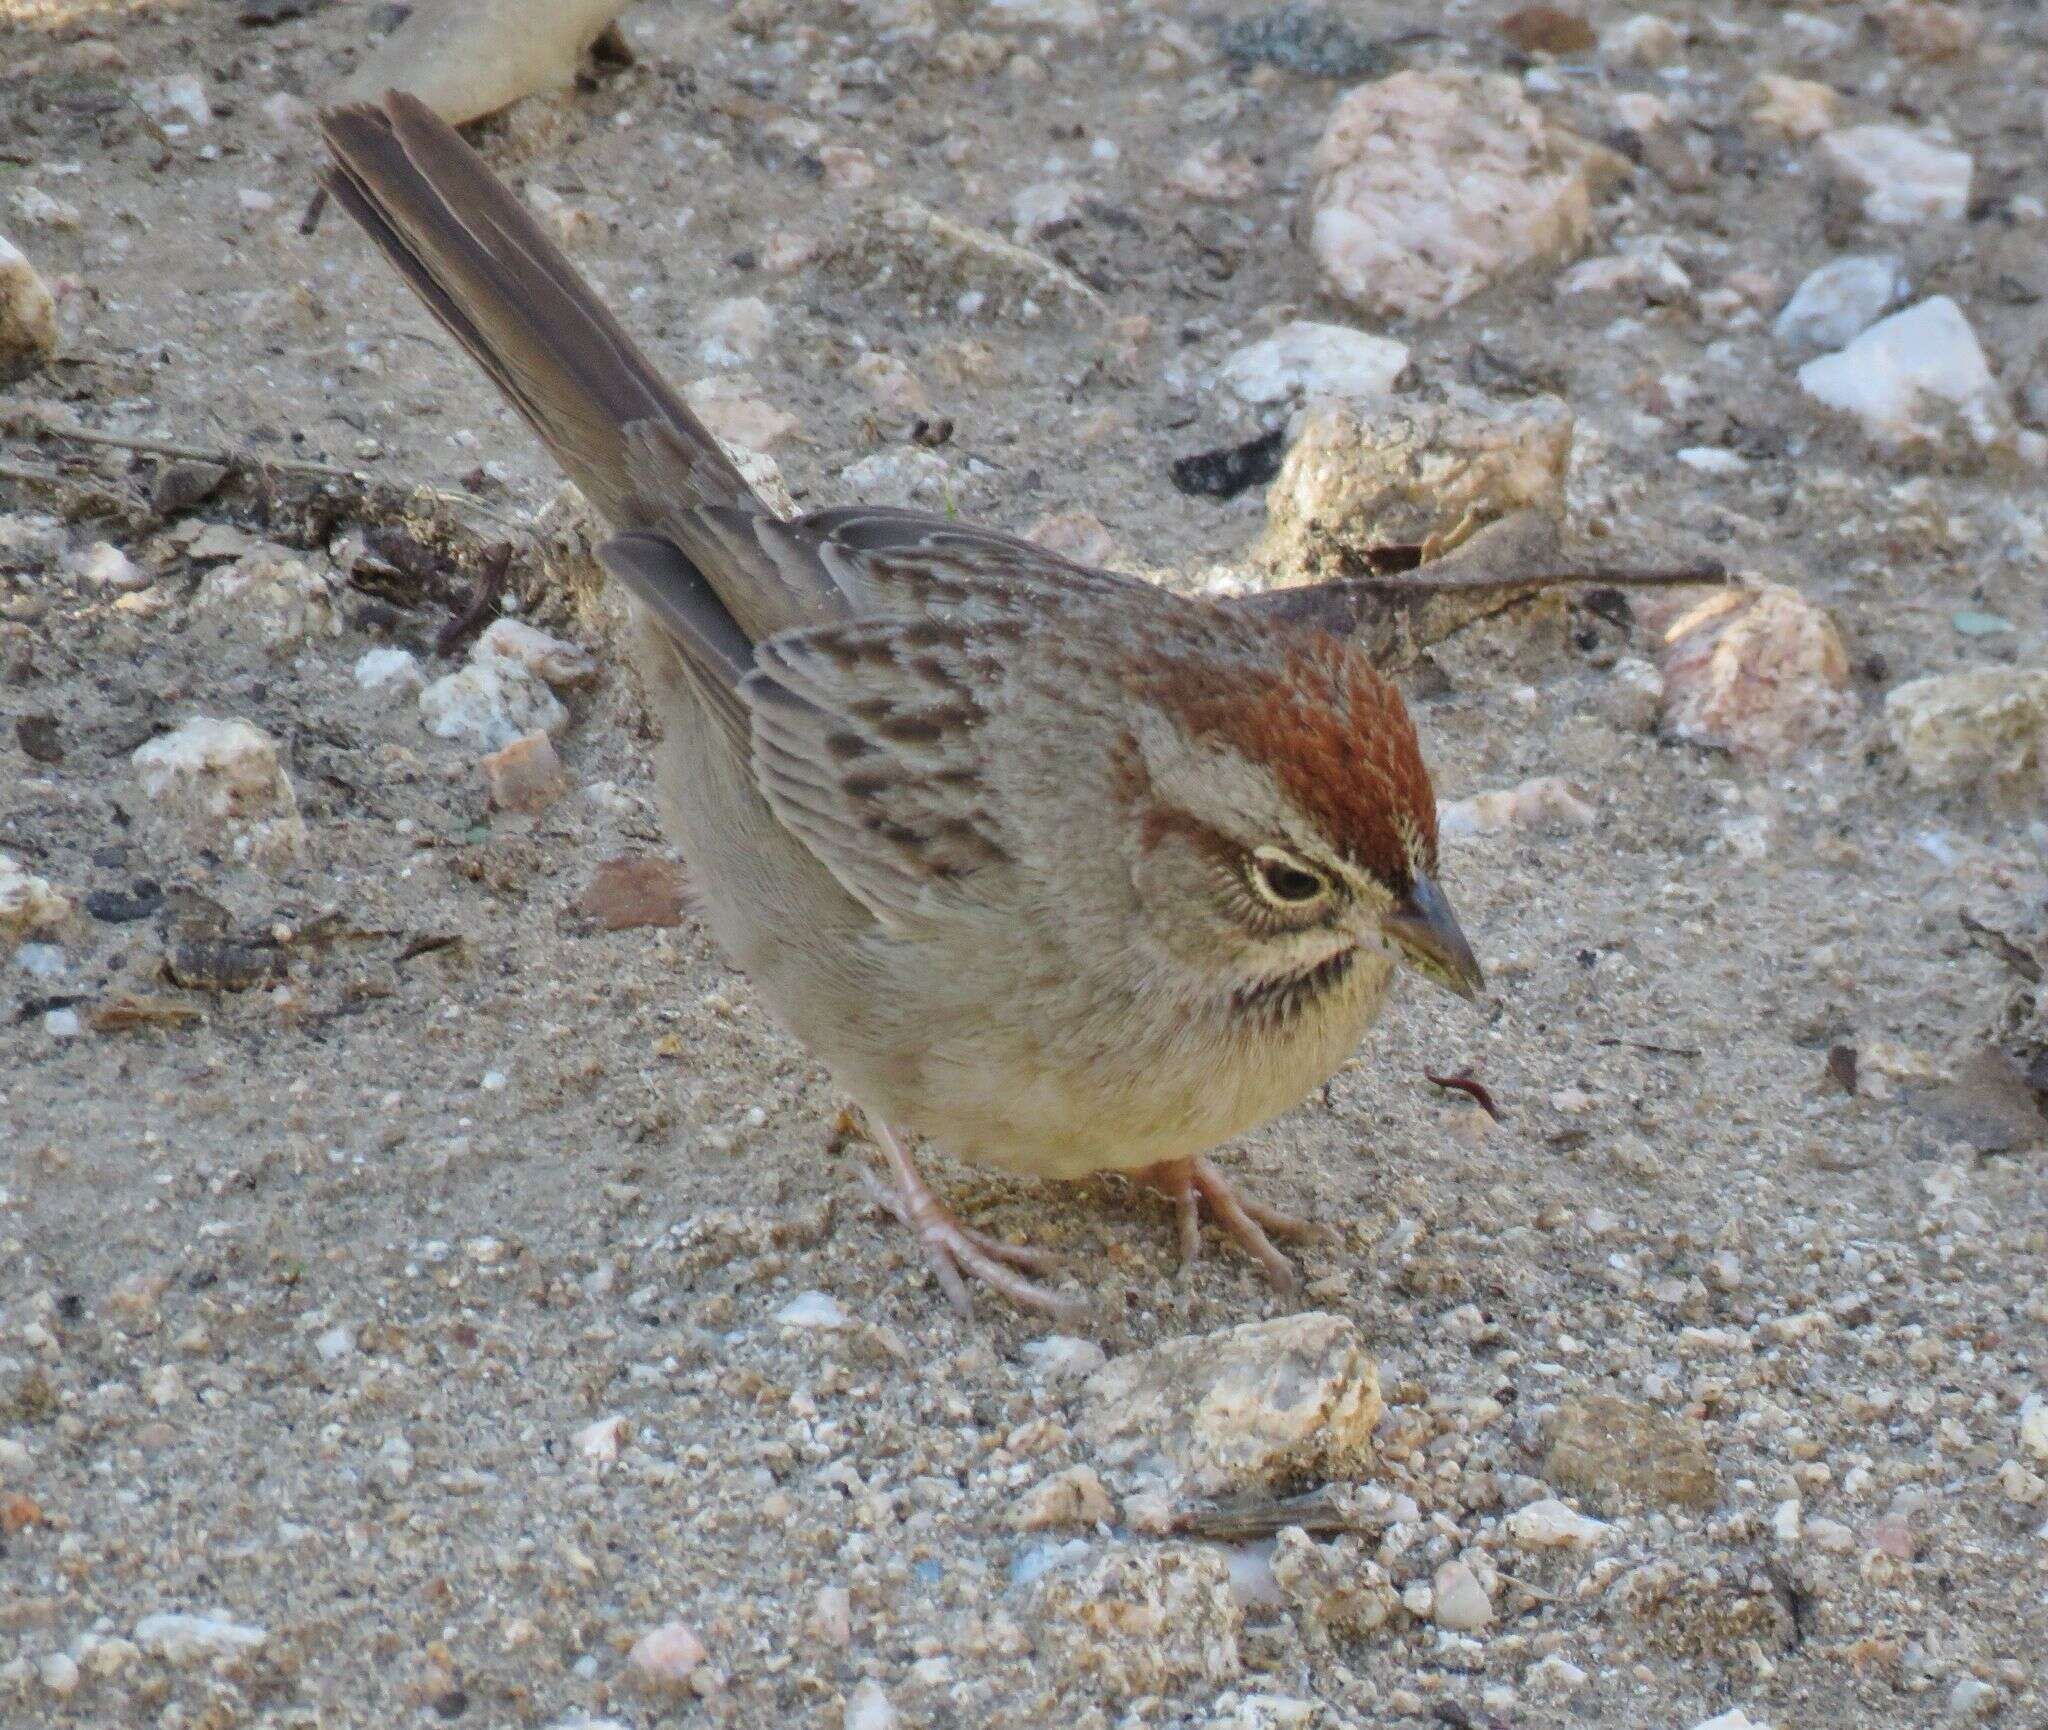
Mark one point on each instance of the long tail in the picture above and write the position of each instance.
(475, 255)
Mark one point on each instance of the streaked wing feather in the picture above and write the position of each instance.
(867, 745)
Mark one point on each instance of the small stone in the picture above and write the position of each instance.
(489, 703)
(1082, 17)
(1554, 1674)
(1402, 473)
(832, 1616)
(599, 1442)
(39, 207)
(557, 663)
(1987, 728)
(1548, 30)
(868, 1708)
(570, 222)
(2028, 1489)
(179, 100)
(1928, 29)
(784, 253)
(1795, 109)
(1904, 178)
(736, 417)
(183, 1639)
(1460, 1602)
(1614, 1452)
(847, 169)
(1915, 380)
(471, 60)
(1337, 1588)
(222, 779)
(1074, 1497)
(1549, 801)
(1252, 1405)
(525, 775)
(813, 1309)
(28, 314)
(735, 331)
(1306, 360)
(1427, 186)
(1733, 1719)
(1553, 1525)
(1214, 174)
(58, 1672)
(62, 1023)
(1041, 208)
(664, 1660)
(1830, 1536)
(1063, 1358)
(900, 476)
(1838, 302)
(2034, 1426)
(633, 891)
(1761, 672)
(894, 387)
(1642, 40)
(1138, 1621)
(27, 902)
(1075, 535)
(1971, 1699)
(273, 595)
(105, 566)
(395, 670)
(335, 1344)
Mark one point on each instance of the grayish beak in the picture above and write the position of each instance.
(1425, 930)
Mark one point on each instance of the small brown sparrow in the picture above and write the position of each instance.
(1062, 871)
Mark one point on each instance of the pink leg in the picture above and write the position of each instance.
(955, 1250)
(1189, 1182)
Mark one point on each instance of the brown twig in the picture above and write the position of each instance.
(244, 460)
(489, 580)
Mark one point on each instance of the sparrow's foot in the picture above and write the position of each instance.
(1188, 1183)
(957, 1251)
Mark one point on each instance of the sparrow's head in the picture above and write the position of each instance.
(1286, 804)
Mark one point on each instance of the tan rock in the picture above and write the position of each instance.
(469, 58)
(1986, 728)
(1615, 1453)
(1257, 1404)
(1337, 1588)
(1794, 109)
(1139, 1621)
(1761, 672)
(1427, 186)
(223, 782)
(1074, 1497)
(1360, 477)
(525, 775)
(631, 891)
(28, 314)
(27, 903)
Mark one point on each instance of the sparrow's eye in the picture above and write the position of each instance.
(1284, 880)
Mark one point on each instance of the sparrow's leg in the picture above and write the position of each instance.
(1187, 1183)
(955, 1250)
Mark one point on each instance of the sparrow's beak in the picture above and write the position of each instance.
(1425, 931)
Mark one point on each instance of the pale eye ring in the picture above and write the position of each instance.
(1281, 879)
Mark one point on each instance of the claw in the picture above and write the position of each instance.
(955, 1250)
(1187, 1183)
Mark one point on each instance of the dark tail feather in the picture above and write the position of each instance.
(476, 257)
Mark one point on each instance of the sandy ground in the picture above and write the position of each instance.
(305, 1307)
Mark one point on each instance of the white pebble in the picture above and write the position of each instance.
(59, 1673)
(868, 1708)
(62, 1023)
(389, 669)
(179, 1638)
(813, 1309)
(1552, 1525)
(1461, 1601)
